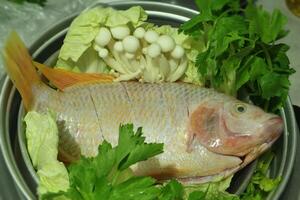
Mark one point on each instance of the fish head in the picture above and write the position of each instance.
(233, 127)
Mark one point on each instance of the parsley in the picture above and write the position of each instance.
(242, 55)
(108, 175)
(260, 184)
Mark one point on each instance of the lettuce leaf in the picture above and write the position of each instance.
(42, 145)
(76, 53)
(89, 62)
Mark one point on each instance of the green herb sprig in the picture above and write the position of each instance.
(242, 52)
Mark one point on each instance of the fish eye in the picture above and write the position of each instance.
(240, 108)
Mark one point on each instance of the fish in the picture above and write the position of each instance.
(206, 134)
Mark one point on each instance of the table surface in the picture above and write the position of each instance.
(8, 190)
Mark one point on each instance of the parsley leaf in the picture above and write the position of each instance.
(241, 54)
(172, 190)
(260, 184)
(267, 27)
(108, 175)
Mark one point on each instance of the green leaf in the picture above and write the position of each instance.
(268, 184)
(258, 68)
(105, 160)
(267, 27)
(228, 71)
(273, 84)
(82, 177)
(136, 188)
(205, 9)
(197, 195)
(127, 140)
(140, 153)
(227, 30)
(172, 190)
(102, 188)
(260, 184)
(218, 5)
(132, 149)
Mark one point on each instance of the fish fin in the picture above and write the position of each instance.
(20, 69)
(63, 79)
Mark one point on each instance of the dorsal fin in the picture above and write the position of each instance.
(63, 79)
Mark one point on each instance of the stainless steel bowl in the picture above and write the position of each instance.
(13, 142)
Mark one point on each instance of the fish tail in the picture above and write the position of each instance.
(20, 68)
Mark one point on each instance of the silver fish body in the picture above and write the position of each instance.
(166, 111)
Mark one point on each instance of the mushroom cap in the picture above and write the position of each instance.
(139, 32)
(151, 36)
(103, 37)
(120, 32)
(154, 50)
(166, 43)
(131, 44)
(177, 52)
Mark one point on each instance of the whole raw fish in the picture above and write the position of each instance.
(205, 133)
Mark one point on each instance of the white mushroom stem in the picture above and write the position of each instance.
(120, 32)
(114, 65)
(118, 46)
(120, 57)
(127, 77)
(129, 55)
(179, 71)
(145, 50)
(173, 65)
(164, 67)
(103, 53)
(97, 47)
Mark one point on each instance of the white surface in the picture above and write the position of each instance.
(293, 40)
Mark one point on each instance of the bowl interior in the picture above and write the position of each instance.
(45, 50)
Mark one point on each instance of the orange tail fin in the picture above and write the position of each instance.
(63, 79)
(20, 68)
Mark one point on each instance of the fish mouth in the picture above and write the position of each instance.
(273, 129)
